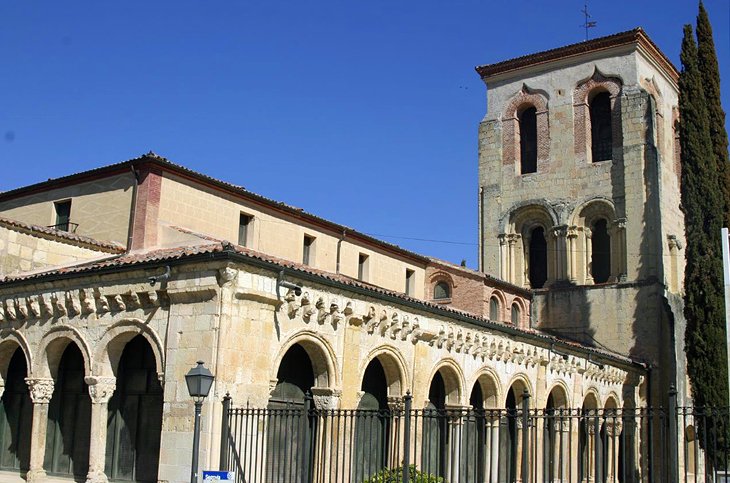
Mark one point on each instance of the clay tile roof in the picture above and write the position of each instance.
(177, 169)
(635, 36)
(225, 248)
(62, 236)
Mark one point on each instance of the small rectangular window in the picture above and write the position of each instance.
(63, 215)
(362, 267)
(244, 222)
(410, 281)
(307, 250)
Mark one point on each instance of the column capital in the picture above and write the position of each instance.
(559, 231)
(396, 403)
(326, 398)
(101, 388)
(40, 388)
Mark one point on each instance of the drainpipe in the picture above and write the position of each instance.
(132, 210)
(339, 244)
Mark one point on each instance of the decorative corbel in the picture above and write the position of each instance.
(88, 304)
(34, 306)
(72, 302)
(102, 304)
(119, 303)
(59, 304)
(22, 307)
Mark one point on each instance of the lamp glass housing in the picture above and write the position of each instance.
(199, 381)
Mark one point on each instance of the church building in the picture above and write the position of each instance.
(115, 281)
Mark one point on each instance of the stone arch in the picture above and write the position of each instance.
(561, 395)
(321, 355)
(583, 94)
(453, 378)
(518, 384)
(440, 277)
(501, 302)
(524, 99)
(394, 367)
(111, 345)
(10, 341)
(488, 381)
(591, 400)
(586, 220)
(526, 258)
(51, 348)
(612, 401)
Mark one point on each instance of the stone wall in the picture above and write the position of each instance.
(100, 207)
(22, 251)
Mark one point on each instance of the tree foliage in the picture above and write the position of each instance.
(702, 203)
(710, 74)
(396, 476)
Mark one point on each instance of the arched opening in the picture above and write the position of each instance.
(588, 431)
(556, 436)
(528, 140)
(601, 131)
(515, 314)
(508, 439)
(494, 309)
(16, 412)
(538, 257)
(295, 378)
(291, 429)
(435, 438)
(69, 419)
(474, 434)
(134, 423)
(372, 431)
(441, 291)
(601, 256)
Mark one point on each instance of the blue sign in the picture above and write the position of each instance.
(217, 476)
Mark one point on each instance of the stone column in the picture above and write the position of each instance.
(559, 234)
(493, 454)
(41, 391)
(512, 258)
(100, 390)
(572, 234)
(618, 250)
(503, 256)
(589, 256)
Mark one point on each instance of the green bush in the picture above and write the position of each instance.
(395, 475)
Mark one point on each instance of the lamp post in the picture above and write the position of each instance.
(199, 379)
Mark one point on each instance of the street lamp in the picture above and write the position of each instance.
(199, 379)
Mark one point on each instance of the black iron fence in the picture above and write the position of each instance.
(304, 444)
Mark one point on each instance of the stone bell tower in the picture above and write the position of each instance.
(579, 193)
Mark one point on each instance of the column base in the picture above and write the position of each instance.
(97, 477)
(35, 476)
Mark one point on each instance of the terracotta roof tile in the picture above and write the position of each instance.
(61, 236)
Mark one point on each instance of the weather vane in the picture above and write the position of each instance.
(589, 24)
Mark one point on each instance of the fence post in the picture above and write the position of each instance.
(225, 429)
(306, 447)
(408, 399)
(673, 436)
(525, 436)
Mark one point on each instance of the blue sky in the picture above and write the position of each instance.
(363, 112)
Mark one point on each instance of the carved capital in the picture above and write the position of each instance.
(101, 388)
(326, 398)
(41, 389)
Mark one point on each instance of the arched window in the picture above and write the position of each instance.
(601, 132)
(515, 314)
(601, 255)
(493, 309)
(441, 291)
(528, 141)
(538, 257)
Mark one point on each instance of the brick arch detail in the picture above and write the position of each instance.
(525, 98)
(437, 277)
(582, 95)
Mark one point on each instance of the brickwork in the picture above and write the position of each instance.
(584, 93)
(511, 130)
(146, 209)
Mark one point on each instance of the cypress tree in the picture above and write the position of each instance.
(710, 72)
(702, 207)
